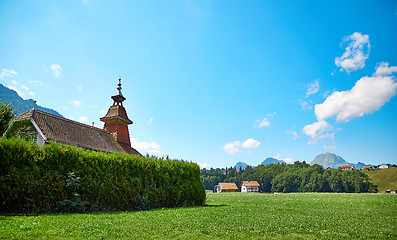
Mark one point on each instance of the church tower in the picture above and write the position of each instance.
(116, 122)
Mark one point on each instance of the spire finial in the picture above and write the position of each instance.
(119, 85)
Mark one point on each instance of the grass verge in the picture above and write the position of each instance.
(227, 216)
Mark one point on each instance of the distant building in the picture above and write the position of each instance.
(384, 166)
(367, 168)
(226, 187)
(250, 186)
(43, 127)
(347, 168)
(391, 191)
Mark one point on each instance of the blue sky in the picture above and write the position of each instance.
(216, 82)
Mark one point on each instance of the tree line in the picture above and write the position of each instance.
(297, 177)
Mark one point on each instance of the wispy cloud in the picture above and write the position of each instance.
(56, 70)
(150, 121)
(76, 103)
(234, 147)
(83, 119)
(264, 122)
(305, 105)
(294, 134)
(7, 73)
(149, 147)
(312, 88)
(355, 53)
(287, 160)
(203, 165)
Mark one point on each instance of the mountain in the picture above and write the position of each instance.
(270, 160)
(18, 104)
(334, 161)
(240, 165)
(329, 160)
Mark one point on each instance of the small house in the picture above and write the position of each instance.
(367, 168)
(384, 166)
(250, 186)
(347, 168)
(226, 187)
(391, 191)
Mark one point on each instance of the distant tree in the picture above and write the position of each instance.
(6, 115)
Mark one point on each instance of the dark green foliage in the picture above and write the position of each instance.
(6, 115)
(34, 179)
(73, 203)
(297, 177)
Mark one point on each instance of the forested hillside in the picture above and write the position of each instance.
(297, 177)
(18, 104)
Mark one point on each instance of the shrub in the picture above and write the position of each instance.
(35, 179)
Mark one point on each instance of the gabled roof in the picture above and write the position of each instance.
(228, 186)
(346, 166)
(66, 131)
(250, 184)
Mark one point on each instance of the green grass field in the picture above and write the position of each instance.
(227, 216)
(384, 178)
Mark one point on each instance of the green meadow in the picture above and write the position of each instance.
(226, 216)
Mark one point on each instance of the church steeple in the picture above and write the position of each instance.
(118, 97)
(116, 121)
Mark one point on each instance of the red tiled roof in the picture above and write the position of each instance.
(67, 131)
(367, 167)
(250, 183)
(228, 186)
(346, 166)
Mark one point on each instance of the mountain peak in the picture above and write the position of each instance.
(271, 160)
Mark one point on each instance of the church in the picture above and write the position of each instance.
(44, 127)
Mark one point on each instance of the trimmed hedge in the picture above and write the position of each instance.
(33, 179)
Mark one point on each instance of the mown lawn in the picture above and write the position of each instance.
(227, 216)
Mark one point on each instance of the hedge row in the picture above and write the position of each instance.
(34, 179)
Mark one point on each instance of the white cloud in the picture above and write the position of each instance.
(150, 121)
(355, 53)
(250, 143)
(24, 87)
(287, 160)
(14, 82)
(149, 147)
(7, 73)
(383, 69)
(264, 122)
(203, 165)
(369, 94)
(56, 70)
(293, 133)
(32, 93)
(75, 103)
(331, 147)
(102, 112)
(305, 105)
(232, 148)
(315, 129)
(38, 83)
(83, 119)
(327, 135)
(312, 88)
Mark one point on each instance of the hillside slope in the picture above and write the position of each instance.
(18, 104)
(384, 178)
